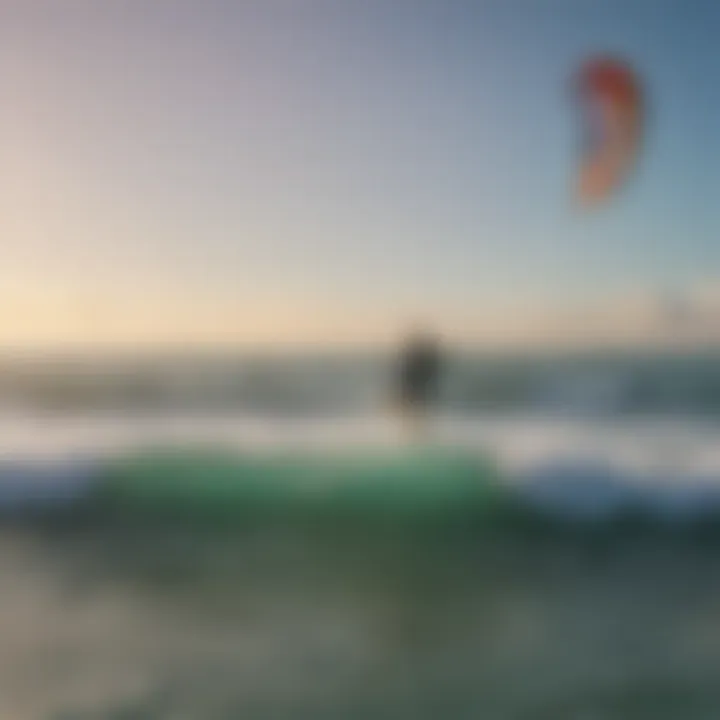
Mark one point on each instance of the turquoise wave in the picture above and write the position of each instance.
(430, 485)
(427, 484)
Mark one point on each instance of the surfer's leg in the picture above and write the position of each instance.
(417, 423)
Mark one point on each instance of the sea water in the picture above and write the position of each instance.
(606, 607)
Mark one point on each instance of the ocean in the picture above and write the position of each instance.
(570, 574)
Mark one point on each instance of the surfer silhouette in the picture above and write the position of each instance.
(418, 379)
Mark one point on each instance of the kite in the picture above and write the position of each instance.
(612, 105)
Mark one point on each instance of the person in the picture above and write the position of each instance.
(418, 380)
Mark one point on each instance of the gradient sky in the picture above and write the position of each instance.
(319, 170)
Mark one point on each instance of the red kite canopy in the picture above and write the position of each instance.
(611, 98)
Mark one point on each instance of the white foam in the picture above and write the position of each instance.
(581, 467)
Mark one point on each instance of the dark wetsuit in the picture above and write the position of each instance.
(419, 374)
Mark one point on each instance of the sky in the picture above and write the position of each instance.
(328, 171)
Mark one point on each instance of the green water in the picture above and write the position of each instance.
(106, 617)
(213, 484)
(200, 585)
